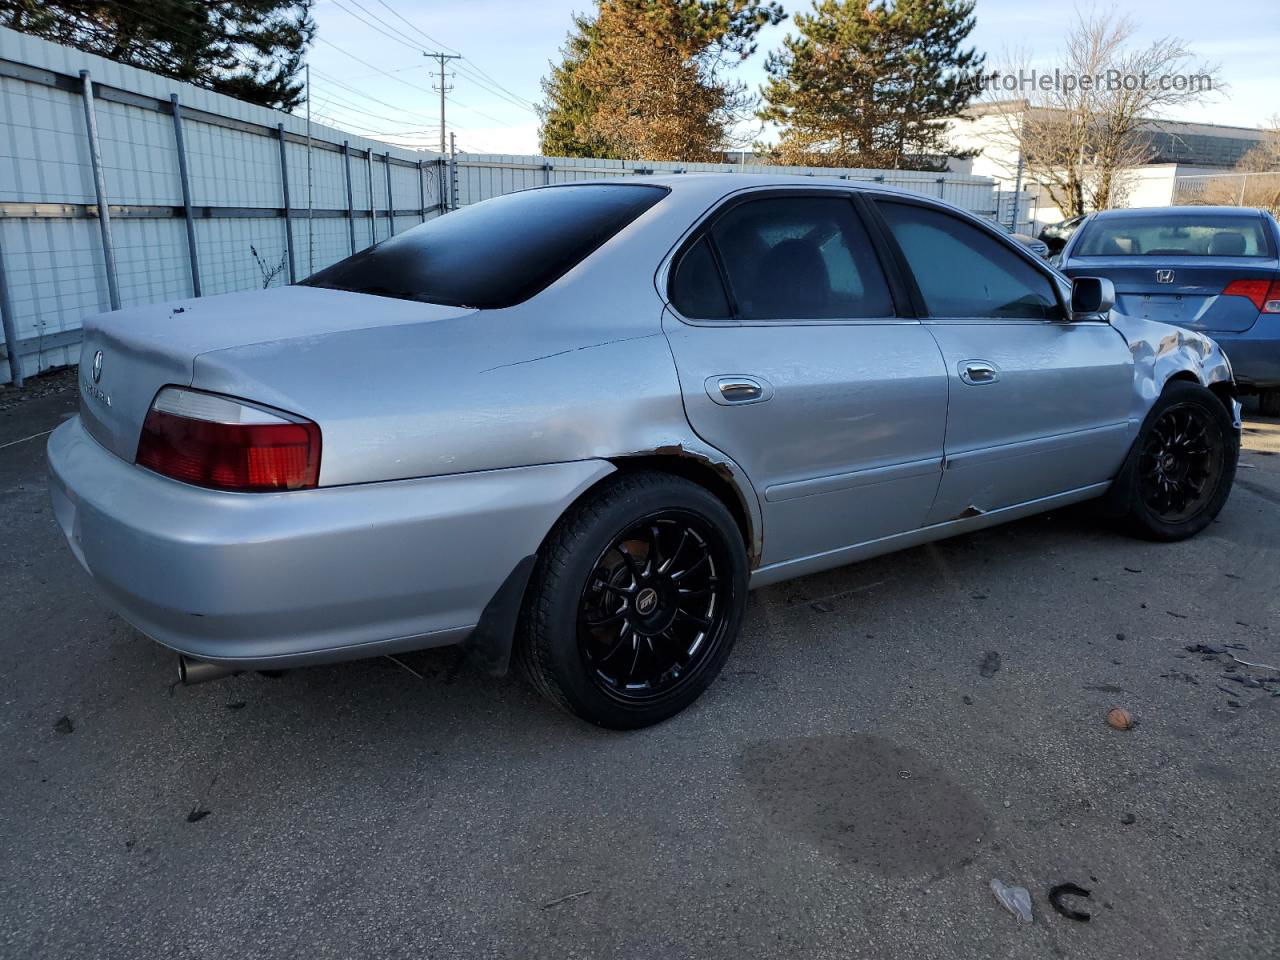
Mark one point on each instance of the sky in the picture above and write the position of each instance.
(369, 75)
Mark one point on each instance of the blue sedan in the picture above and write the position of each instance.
(1215, 270)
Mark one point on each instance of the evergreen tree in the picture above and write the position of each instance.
(250, 49)
(868, 83)
(645, 79)
(569, 104)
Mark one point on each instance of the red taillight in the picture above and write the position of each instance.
(185, 437)
(1263, 294)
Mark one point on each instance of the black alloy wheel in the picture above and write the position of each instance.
(1181, 467)
(636, 600)
(654, 607)
(1181, 462)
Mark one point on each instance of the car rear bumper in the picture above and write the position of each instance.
(312, 576)
(1254, 354)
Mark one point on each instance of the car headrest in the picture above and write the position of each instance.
(1227, 243)
(1120, 246)
(793, 282)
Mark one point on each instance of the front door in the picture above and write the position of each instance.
(1039, 405)
(792, 361)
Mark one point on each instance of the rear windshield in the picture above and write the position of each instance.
(496, 253)
(1184, 235)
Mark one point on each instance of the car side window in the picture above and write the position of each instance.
(697, 289)
(798, 258)
(964, 273)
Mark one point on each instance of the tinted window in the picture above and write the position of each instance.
(696, 289)
(495, 253)
(800, 258)
(964, 272)
(1190, 234)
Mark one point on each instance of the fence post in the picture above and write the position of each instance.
(422, 195)
(453, 170)
(942, 188)
(10, 328)
(444, 189)
(391, 205)
(351, 207)
(185, 177)
(288, 213)
(373, 212)
(1244, 178)
(100, 189)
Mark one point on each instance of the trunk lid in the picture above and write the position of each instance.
(1192, 298)
(128, 355)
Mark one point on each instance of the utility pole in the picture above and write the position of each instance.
(443, 58)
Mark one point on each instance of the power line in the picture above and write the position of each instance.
(367, 96)
(390, 36)
(510, 95)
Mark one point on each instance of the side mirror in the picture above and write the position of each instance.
(1092, 295)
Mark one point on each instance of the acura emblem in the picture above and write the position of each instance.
(1164, 276)
(97, 367)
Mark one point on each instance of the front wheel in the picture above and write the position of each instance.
(636, 600)
(1179, 473)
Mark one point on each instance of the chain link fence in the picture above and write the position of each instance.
(1261, 190)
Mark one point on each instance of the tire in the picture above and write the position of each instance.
(1168, 489)
(1269, 402)
(623, 633)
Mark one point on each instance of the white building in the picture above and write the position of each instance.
(1180, 152)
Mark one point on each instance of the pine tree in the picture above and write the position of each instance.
(569, 105)
(645, 79)
(867, 83)
(250, 49)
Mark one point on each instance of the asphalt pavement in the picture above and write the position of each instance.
(885, 740)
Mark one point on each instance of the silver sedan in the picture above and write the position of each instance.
(578, 423)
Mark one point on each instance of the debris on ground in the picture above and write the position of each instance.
(1118, 718)
(1129, 819)
(565, 898)
(47, 383)
(64, 725)
(990, 664)
(1015, 899)
(1069, 890)
(197, 814)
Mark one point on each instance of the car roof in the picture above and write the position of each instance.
(704, 184)
(1179, 212)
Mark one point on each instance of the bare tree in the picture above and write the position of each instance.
(1081, 133)
(1255, 182)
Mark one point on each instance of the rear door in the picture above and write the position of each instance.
(793, 361)
(1038, 405)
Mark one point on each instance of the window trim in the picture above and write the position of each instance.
(898, 292)
(1057, 282)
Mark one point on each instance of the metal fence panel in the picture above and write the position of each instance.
(55, 266)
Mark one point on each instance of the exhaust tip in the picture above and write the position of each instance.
(191, 671)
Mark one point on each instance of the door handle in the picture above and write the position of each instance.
(977, 372)
(734, 390)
